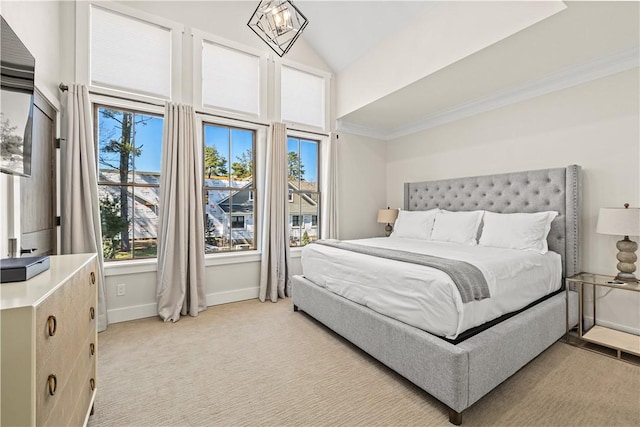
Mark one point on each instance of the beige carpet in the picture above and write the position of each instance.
(261, 364)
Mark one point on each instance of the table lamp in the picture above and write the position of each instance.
(622, 222)
(387, 216)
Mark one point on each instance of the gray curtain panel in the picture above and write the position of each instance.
(274, 268)
(80, 216)
(329, 217)
(180, 279)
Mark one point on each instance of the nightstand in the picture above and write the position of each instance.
(621, 342)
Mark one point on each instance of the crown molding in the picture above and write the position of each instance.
(362, 130)
(572, 76)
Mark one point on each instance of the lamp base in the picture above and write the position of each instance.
(627, 277)
(627, 260)
(388, 229)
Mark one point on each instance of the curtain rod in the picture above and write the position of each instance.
(63, 87)
(231, 118)
(308, 131)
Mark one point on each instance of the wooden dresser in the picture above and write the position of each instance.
(50, 344)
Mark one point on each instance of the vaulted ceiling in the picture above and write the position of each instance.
(584, 41)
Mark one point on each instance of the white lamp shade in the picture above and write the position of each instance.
(619, 221)
(387, 216)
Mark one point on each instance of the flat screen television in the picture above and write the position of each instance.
(17, 72)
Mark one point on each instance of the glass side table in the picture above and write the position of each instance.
(621, 342)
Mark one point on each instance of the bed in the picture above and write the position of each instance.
(459, 372)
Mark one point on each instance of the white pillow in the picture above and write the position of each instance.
(457, 227)
(526, 231)
(414, 224)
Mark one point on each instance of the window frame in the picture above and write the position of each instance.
(97, 102)
(277, 98)
(198, 38)
(205, 120)
(319, 140)
(83, 54)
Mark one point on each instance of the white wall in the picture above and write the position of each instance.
(362, 183)
(226, 282)
(595, 125)
(443, 34)
(37, 24)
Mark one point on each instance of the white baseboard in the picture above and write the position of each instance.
(232, 296)
(125, 314)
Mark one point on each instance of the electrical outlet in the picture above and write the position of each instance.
(120, 289)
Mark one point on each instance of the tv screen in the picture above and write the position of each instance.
(17, 68)
(16, 120)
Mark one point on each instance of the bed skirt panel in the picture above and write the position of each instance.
(429, 362)
(457, 375)
(500, 351)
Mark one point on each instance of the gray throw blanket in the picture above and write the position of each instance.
(467, 277)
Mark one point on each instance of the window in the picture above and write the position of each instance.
(229, 188)
(231, 79)
(129, 157)
(304, 191)
(129, 50)
(303, 97)
(237, 221)
(228, 77)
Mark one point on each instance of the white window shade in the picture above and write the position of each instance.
(302, 97)
(129, 54)
(230, 79)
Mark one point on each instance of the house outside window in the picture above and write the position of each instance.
(304, 190)
(229, 165)
(129, 157)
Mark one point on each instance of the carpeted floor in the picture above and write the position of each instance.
(261, 364)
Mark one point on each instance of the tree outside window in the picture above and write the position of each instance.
(129, 157)
(229, 188)
(304, 191)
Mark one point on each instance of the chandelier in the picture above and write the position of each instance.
(279, 23)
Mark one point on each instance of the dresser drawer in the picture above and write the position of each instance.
(54, 319)
(66, 354)
(87, 282)
(60, 364)
(84, 382)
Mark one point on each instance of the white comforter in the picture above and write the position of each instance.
(425, 297)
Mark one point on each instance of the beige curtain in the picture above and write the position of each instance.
(274, 269)
(329, 182)
(80, 207)
(180, 279)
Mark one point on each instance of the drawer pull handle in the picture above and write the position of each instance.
(92, 384)
(92, 348)
(92, 313)
(52, 382)
(52, 325)
(93, 278)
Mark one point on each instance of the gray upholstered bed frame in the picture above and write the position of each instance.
(459, 375)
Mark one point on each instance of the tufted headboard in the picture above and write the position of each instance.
(530, 191)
